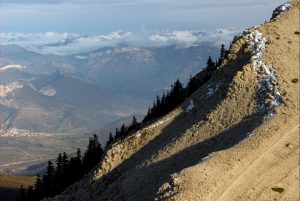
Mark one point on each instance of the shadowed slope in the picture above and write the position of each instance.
(212, 152)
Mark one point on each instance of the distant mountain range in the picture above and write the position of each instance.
(56, 88)
(107, 85)
(76, 44)
(87, 90)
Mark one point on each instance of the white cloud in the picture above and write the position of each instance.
(70, 43)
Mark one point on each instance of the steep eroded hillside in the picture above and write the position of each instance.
(240, 141)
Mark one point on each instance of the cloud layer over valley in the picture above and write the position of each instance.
(70, 43)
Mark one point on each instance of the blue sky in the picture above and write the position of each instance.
(104, 16)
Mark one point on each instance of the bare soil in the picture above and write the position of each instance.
(223, 150)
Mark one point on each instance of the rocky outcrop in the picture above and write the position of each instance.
(9, 88)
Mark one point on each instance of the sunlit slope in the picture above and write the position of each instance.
(239, 142)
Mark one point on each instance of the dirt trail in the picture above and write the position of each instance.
(247, 180)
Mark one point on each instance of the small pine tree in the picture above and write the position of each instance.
(65, 162)
(222, 55)
(148, 115)
(73, 172)
(210, 63)
(110, 140)
(65, 170)
(58, 177)
(177, 94)
(123, 130)
(134, 122)
(158, 102)
(93, 154)
(59, 166)
(191, 86)
(163, 99)
(48, 179)
(38, 188)
(30, 193)
(154, 111)
(117, 134)
(78, 155)
(22, 196)
(97, 148)
(75, 167)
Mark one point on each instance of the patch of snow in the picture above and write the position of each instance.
(12, 66)
(269, 115)
(9, 88)
(160, 122)
(269, 94)
(212, 90)
(281, 9)
(204, 159)
(285, 7)
(48, 91)
(190, 107)
(175, 175)
(248, 136)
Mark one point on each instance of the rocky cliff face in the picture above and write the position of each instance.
(239, 141)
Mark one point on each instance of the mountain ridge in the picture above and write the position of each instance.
(110, 85)
(237, 143)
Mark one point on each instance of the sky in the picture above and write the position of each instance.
(105, 16)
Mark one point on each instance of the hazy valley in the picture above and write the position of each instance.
(52, 102)
(101, 117)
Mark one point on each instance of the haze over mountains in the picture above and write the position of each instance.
(62, 84)
(71, 43)
(231, 134)
(95, 68)
(236, 138)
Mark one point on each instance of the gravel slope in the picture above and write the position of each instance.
(240, 142)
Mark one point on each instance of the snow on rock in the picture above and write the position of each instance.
(190, 107)
(248, 136)
(285, 7)
(166, 191)
(48, 91)
(212, 89)
(204, 159)
(160, 122)
(9, 88)
(12, 66)
(281, 9)
(268, 95)
(175, 175)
